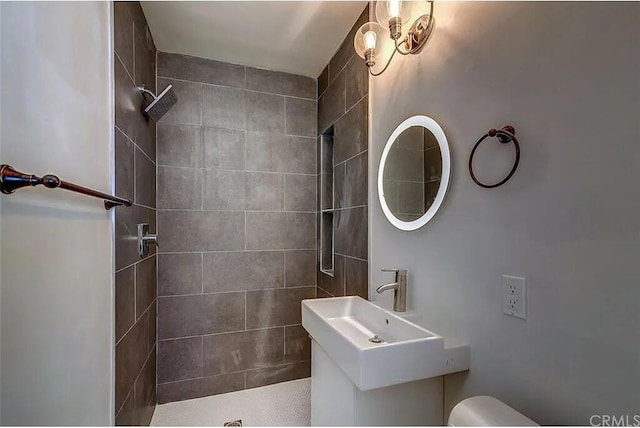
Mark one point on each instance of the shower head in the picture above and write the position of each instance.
(160, 104)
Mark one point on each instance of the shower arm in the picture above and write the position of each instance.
(146, 91)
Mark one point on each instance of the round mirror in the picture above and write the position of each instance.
(414, 173)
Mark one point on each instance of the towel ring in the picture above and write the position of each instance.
(505, 136)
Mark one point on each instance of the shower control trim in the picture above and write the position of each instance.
(145, 238)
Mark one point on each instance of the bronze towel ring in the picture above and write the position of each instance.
(505, 136)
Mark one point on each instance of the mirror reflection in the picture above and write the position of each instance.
(412, 173)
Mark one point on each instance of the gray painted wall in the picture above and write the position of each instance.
(566, 76)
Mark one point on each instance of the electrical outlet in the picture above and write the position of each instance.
(514, 296)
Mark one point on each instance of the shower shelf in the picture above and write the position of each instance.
(12, 180)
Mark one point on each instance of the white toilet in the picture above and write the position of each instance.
(486, 411)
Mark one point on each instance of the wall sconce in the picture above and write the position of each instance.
(393, 14)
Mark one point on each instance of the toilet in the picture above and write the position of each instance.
(486, 411)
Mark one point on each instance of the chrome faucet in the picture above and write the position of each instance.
(399, 289)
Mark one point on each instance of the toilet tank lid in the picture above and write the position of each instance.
(486, 411)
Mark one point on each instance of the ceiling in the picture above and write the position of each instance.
(292, 36)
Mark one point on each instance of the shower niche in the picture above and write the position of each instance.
(327, 203)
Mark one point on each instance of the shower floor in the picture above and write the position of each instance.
(282, 404)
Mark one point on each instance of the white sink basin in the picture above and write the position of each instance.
(342, 326)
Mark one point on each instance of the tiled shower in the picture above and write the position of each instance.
(236, 203)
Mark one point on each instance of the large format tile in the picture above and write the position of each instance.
(357, 79)
(145, 60)
(300, 155)
(357, 278)
(187, 110)
(196, 69)
(331, 105)
(124, 164)
(145, 182)
(356, 182)
(280, 231)
(223, 148)
(128, 101)
(323, 81)
(281, 83)
(265, 112)
(265, 191)
(272, 308)
(223, 312)
(266, 151)
(346, 50)
(351, 130)
(297, 344)
(179, 145)
(300, 267)
(145, 392)
(125, 416)
(224, 107)
(224, 190)
(334, 285)
(131, 353)
(301, 117)
(179, 316)
(146, 284)
(179, 359)
(179, 188)
(179, 274)
(238, 271)
(271, 375)
(339, 185)
(239, 351)
(123, 34)
(201, 231)
(125, 301)
(351, 232)
(200, 387)
(300, 192)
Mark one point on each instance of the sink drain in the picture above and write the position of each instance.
(375, 339)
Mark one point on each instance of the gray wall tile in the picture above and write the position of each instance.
(179, 188)
(284, 373)
(145, 64)
(179, 316)
(280, 307)
(300, 155)
(200, 387)
(123, 34)
(357, 278)
(356, 183)
(351, 232)
(223, 107)
(339, 185)
(297, 344)
(179, 359)
(301, 266)
(223, 312)
(266, 151)
(331, 105)
(346, 49)
(200, 70)
(237, 271)
(126, 232)
(334, 285)
(265, 191)
(179, 145)
(265, 112)
(153, 324)
(357, 80)
(233, 352)
(224, 189)
(125, 301)
(280, 231)
(301, 117)
(146, 289)
(188, 109)
(144, 392)
(124, 416)
(179, 274)
(201, 231)
(351, 133)
(128, 101)
(277, 82)
(124, 164)
(323, 80)
(321, 294)
(145, 182)
(300, 192)
(131, 353)
(223, 148)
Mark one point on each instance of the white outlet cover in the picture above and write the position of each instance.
(514, 296)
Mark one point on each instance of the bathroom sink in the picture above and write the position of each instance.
(376, 348)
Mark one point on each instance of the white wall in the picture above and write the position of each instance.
(566, 76)
(57, 261)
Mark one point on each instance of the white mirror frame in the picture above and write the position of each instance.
(436, 130)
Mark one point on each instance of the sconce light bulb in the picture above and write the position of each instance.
(394, 8)
(370, 40)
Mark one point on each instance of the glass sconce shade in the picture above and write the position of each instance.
(367, 38)
(393, 14)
